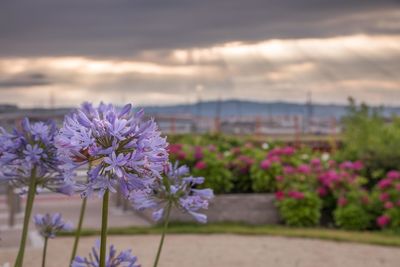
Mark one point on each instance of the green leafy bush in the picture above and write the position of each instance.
(266, 169)
(386, 201)
(370, 138)
(264, 180)
(394, 215)
(241, 160)
(214, 169)
(302, 211)
(352, 217)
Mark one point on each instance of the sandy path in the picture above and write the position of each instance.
(228, 251)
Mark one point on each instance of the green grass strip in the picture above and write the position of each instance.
(365, 237)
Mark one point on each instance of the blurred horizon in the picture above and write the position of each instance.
(154, 53)
(214, 102)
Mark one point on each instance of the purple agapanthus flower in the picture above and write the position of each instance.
(123, 149)
(31, 148)
(176, 188)
(49, 225)
(123, 259)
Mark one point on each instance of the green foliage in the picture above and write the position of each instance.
(394, 215)
(241, 161)
(263, 180)
(307, 183)
(301, 212)
(386, 201)
(375, 206)
(353, 210)
(217, 175)
(368, 137)
(221, 141)
(352, 217)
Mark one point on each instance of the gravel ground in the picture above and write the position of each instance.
(226, 251)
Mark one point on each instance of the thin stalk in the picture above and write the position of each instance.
(44, 252)
(79, 226)
(103, 239)
(163, 235)
(78, 229)
(28, 211)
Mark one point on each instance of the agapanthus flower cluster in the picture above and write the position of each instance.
(49, 225)
(177, 188)
(31, 149)
(123, 259)
(121, 147)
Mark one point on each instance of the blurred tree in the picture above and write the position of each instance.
(372, 138)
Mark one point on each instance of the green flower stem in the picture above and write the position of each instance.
(103, 239)
(28, 211)
(78, 229)
(44, 252)
(79, 226)
(163, 235)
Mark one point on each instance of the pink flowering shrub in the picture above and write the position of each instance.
(214, 168)
(240, 161)
(383, 221)
(240, 167)
(299, 208)
(200, 165)
(177, 152)
(353, 210)
(264, 171)
(309, 188)
(337, 179)
(297, 199)
(204, 162)
(386, 200)
(337, 186)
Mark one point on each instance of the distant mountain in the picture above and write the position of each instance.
(225, 108)
(251, 108)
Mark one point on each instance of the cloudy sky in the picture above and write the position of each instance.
(62, 52)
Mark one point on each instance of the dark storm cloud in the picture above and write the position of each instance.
(121, 28)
